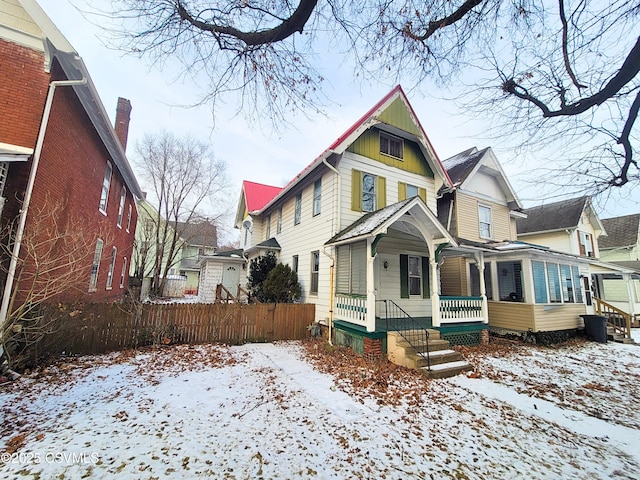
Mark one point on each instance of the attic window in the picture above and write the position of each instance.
(392, 146)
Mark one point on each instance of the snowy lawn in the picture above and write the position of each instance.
(307, 410)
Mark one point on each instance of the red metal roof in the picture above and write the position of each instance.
(257, 195)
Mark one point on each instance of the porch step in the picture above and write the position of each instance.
(446, 370)
(435, 358)
(617, 337)
(444, 361)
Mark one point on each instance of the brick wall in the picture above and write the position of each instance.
(70, 173)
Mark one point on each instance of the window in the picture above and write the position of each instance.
(484, 217)
(112, 265)
(93, 281)
(412, 191)
(414, 276)
(295, 263)
(279, 224)
(510, 281)
(123, 198)
(406, 190)
(268, 228)
(317, 196)
(556, 283)
(368, 192)
(351, 277)
(586, 245)
(392, 146)
(298, 211)
(106, 183)
(129, 218)
(475, 280)
(124, 272)
(315, 269)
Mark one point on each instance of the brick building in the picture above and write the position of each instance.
(63, 163)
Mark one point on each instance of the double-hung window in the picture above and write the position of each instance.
(414, 276)
(279, 224)
(104, 194)
(97, 255)
(317, 196)
(268, 228)
(112, 266)
(123, 198)
(129, 218)
(484, 218)
(315, 271)
(297, 214)
(124, 272)
(368, 192)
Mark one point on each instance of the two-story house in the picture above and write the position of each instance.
(198, 239)
(64, 173)
(531, 289)
(359, 226)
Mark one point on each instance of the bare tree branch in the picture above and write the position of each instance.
(565, 48)
(434, 25)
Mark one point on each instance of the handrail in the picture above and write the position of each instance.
(408, 327)
(613, 314)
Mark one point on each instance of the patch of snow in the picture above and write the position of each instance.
(264, 411)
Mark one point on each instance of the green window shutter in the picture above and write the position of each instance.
(402, 191)
(426, 290)
(422, 192)
(382, 193)
(404, 276)
(356, 190)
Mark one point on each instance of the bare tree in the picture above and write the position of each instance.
(54, 266)
(184, 178)
(549, 69)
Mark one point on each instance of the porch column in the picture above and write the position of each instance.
(627, 278)
(483, 287)
(371, 293)
(435, 289)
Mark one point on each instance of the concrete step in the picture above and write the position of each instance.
(624, 340)
(446, 370)
(435, 358)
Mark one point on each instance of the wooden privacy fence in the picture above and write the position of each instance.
(99, 328)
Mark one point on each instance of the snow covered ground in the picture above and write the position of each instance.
(306, 410)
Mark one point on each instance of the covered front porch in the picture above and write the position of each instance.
(387, 275)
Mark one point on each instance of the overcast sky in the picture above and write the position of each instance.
(253, 151)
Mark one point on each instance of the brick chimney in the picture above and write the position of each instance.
(123, 112)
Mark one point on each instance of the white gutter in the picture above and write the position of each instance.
(27, 197)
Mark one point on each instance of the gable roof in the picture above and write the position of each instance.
(257, 195)
(374, 116)
(621, 231)
(463, 166)
(374, 223)
(561, 215)
(198, 234)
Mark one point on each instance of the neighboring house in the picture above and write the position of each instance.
(199, 238)
(570, 226)
(530, 288)
(621, 247)
(573, 227)
(146, 241)
(359, 226)
(59, 150)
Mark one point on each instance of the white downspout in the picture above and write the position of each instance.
(27, 197)
(332, 273)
